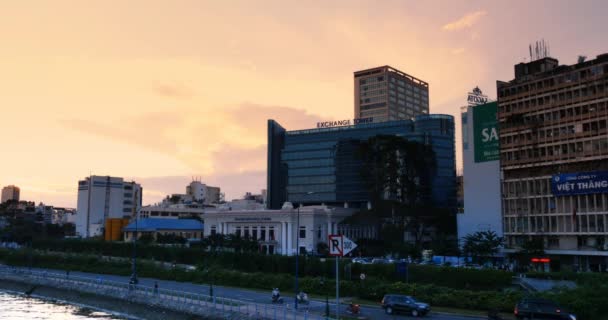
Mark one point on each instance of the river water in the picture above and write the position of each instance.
(19, 307)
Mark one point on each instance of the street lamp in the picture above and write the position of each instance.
(298, 250)
(326, 296)
(133, 279)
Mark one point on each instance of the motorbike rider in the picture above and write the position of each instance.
(276, 294)
(302, 296)
(353, 308)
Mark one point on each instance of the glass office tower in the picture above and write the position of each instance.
(317, 166)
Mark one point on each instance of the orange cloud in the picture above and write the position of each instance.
(173, 91)
(465, 22)
(209, 141)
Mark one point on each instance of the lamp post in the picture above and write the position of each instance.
(298, 250)
(326, 297)
(133, 279)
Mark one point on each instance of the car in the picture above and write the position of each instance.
(361, 260)
(379, 261)
(396, 303)
(533, 308)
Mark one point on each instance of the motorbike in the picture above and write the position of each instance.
(353, 308)
(276, 298)
(302, 298)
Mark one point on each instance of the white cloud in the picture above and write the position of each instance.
(465, 22)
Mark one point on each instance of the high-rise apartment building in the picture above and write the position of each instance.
(101, 198)
(385, 94)
(10, 193)
(554, 160)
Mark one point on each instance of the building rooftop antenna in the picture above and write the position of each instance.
(539, 51)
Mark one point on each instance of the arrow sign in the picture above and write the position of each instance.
(347, 246)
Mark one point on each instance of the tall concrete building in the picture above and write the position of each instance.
(101, 198)
(481, 167)
(554, 160)
(385, 94)
(10, 193)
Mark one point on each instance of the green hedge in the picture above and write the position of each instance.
(372, 290)
(587, 301)
(457, 278)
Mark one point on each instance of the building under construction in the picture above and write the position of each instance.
(554, 160)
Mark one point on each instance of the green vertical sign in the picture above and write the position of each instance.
(485, 132)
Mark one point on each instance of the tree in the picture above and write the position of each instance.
(322, 248)
(170, 239)
(482, 244)
(146, 238)
(533, 247)
(444, 245)
(398, 174)
(174, 199)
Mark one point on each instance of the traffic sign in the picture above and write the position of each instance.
(340, 245)
(335, 245)
(347, 246)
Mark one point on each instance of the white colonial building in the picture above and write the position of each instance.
(279, 231)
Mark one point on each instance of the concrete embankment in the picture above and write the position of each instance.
(132, 310)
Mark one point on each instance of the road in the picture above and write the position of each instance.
(316, 306)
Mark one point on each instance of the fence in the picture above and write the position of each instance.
(181, 301)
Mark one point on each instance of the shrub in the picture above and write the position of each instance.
(308, 266)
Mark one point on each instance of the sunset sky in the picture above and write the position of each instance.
(160, 91)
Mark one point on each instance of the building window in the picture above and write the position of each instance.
(263, 234)
(238, 231)
(213, 230)
(302, 232)
(554, 242)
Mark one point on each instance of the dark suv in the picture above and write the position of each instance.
(394, 303)
(528, 309)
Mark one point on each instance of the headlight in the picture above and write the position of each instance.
(572, 317)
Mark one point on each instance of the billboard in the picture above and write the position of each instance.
(476, 97)
(579, 183)
(485, 132)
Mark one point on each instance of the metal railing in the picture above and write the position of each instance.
(181, 301)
